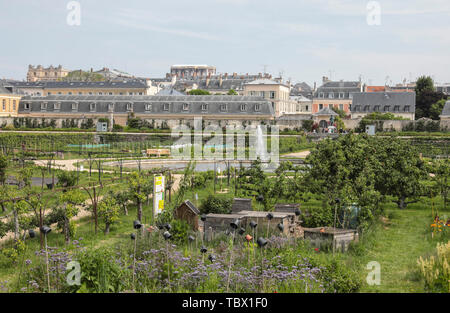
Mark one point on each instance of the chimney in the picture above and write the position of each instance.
(315, 86)
(234, 75)
(207, 81)
(259, 75)
(226, 75)
(220, 80)
(325, 79)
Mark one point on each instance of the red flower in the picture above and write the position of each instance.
(316, 249)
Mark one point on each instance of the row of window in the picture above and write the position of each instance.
(341, 106)
(148, 107)
(337, 95)
(270, 94)
(4, 105)
(386, 108)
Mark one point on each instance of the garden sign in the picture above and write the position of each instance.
(158, 195)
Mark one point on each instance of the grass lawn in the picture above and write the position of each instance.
(397, 244)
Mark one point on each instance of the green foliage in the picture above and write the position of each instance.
(3, 167)
(83, 76)
(101, 273)
(108, 211)
(232, 92)
(307, 125)
(180, 231)
(426, 97)
(216, 204)
(436, 109)
(67, 179)
(199, 92)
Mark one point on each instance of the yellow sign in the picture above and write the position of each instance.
(158, 195)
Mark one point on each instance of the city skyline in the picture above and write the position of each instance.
(303, 40)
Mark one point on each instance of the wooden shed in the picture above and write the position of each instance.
(188, 212)
(338, 239)
(241, 204)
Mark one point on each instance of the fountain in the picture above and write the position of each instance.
(261, 149)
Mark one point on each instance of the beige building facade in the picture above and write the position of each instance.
(9, 103)
(275, 92)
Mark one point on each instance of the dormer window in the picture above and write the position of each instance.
(204, 107)
(166, 107)
(341, 95)
(110, 107)
(129, 107)
(223, 107)
(92, 107)
(44, 106)
(396, 108)
(321, 95)
(386, 108)
(376, 108)
(366, 108)
(57, 106)
(148, 107)
(331, 95)
(27, 106)
(243, 107)
(406, 109)
(185, 106)
(74, 107)
(257, 107)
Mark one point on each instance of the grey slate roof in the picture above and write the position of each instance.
(4, 91)
(384, 102)
(169, 92)
(131, 83)
(326, 111)
(154, 105)
(336, 87)
(446, 109)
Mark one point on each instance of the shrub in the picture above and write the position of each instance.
(216, 204)
(436, 269)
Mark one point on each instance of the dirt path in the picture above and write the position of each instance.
(301, 154)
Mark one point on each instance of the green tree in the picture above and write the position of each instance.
(343, 172)
(199, 92)
(3, 167)
(136, 182)
(68, 207)
(232, 92)
(426, 96)
(108, 211)
(442, 180)
(400, 171)
(436, 109)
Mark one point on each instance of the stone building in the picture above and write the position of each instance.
(130, 87)
(160, 110)
(217, 84)
(9, 102)
(51, 73)
(185, 71)
(401, 104)
(275, 92)
(337, 94)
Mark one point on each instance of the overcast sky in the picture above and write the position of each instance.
(303, 39)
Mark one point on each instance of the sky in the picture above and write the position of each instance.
(303, 40)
